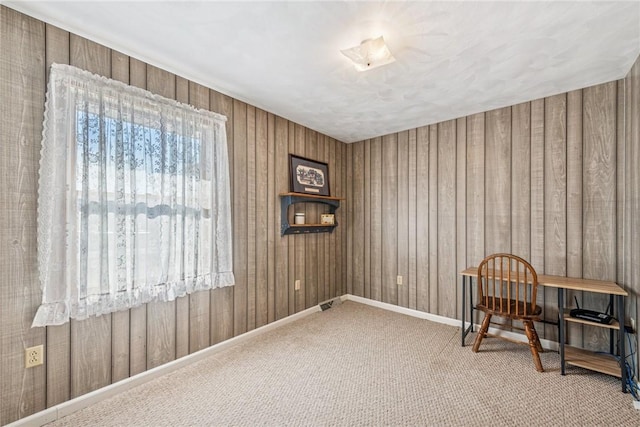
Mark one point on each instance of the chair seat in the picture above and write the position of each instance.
(502, 305)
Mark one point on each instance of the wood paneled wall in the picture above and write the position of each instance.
(90, 354)
(553, 180)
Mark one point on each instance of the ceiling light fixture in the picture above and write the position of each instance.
(370, 54)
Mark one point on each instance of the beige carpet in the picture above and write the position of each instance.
(357, 365)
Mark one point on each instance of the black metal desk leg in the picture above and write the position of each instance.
(465, 329)
(621, 336)
(471, 303)
(464, 299)
(612, 309)
(561, 327)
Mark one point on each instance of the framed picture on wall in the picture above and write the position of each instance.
(308, 176)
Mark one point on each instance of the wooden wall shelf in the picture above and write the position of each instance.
(288, 199)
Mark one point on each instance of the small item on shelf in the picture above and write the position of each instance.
(591, 315)
(299, 218)
(327, 219)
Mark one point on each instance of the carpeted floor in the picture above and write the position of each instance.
(357, 365)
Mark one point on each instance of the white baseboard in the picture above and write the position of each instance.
(66, 408)
(404, 310)
(546, 344)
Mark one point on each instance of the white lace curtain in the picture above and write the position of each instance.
(133, 202)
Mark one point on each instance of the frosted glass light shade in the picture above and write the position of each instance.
(369, 54)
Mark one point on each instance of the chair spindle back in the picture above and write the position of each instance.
(504, 278)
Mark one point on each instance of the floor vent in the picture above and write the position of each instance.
(331, 303)
(326, 305)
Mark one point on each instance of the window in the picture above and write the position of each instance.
(134, 201)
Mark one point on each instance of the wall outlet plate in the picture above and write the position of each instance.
(33, 356)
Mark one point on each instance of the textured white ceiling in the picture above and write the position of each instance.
(453, 58)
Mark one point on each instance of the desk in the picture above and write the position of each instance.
(578, 357)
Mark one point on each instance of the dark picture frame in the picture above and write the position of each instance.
(308, 176)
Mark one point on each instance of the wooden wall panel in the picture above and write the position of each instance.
(599, 180)
(412, 170)
(537, 195)
(333, 237)
(250, 200)
(599, 196)
(322, 238)
(240, 239)
(58, 353)
(222, 314)
(82, 356)
(182, 304)
(621, 144)
(199, 302)
(461, 206)
(22, 79)
(475, 188)
(297, 138)
(433, 218)
(356, 222)
(497, 181)
(283, 281)
(389, 218)
(555, 199)
(422, 219)
(272, 222)
(293, 239)
(404, 215)
(555, 185)
(574, 183)
(330, 240)
(350, 225)
(161, 316)
(90, 338)
(376, 219)
(262, 213)
(521, 180)
(339, 286)
(138, 315)
(344, 166)
(311, 241)
(574, 205)
(367, 219)
(120, 321)
(446, 246)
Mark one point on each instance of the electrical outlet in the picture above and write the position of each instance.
(33, 356)
(399, 280)
(296, 286)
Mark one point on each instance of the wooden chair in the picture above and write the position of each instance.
(507, 286)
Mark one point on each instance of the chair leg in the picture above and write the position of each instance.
(533, 346)
(483, 330)
(537, 339)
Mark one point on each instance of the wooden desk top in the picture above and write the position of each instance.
(573, 283)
